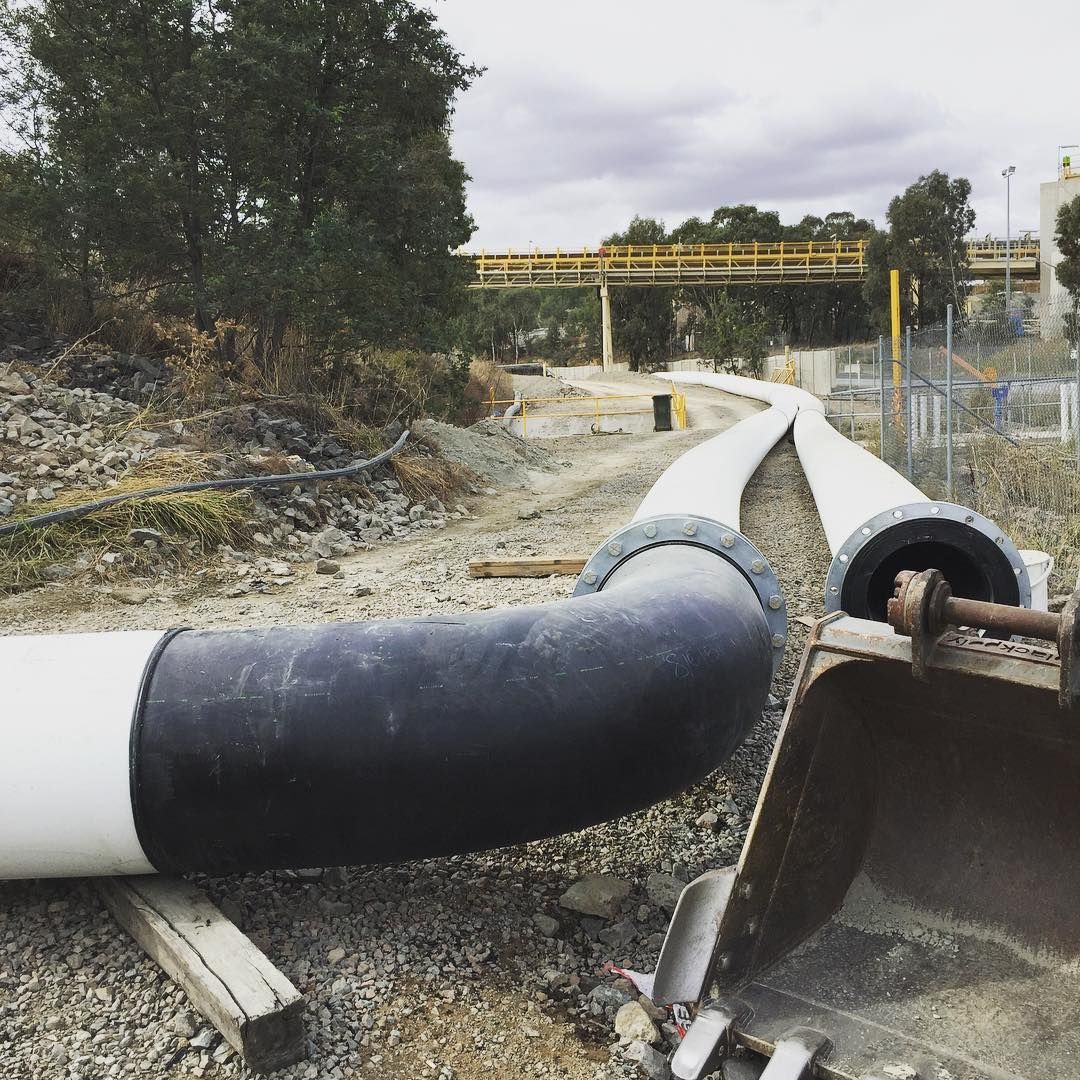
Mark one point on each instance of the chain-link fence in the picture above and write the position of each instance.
(992, 424)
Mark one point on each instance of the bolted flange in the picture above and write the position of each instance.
(691, 530)
(892, 529)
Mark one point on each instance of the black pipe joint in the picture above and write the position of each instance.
(666, 542)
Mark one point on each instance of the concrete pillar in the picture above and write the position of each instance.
(605, 327)
(924, 425)
(937, 419)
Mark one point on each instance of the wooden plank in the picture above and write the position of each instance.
(232, 983)
(527, 566)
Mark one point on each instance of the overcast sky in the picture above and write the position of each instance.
(593, 110)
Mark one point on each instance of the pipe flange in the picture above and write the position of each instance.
(960, 519)
(728, 543)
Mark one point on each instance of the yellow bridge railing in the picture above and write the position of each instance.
(673, 264)
(987, 258)
(802, 262)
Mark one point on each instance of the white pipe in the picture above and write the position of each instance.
(709, 479)
(65, 788)
(790, 399)
(875, 521)
(850, 485)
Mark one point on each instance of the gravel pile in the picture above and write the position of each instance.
(545, 386)
(489, 450)
(488, 965)
(53, 437)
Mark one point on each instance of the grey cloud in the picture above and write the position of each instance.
(544, 134)
(556, 147)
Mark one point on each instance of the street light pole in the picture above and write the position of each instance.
(1007, 173)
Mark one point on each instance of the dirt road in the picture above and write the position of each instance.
(436, 969)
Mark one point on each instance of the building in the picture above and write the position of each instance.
(1052, 196)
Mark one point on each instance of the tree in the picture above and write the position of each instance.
(728, 336)
(280, 165)
(826, 312)
(928, 224)
(1067, 238)
(642, 320)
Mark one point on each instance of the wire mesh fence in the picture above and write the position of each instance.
(992, 423)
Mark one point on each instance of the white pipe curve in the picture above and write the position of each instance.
(790, 399)
(709, 479)
(850, 485)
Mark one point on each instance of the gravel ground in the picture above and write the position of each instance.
(466, 967)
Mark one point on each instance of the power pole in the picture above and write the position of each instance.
(1007, 173)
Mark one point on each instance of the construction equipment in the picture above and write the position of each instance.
(906, 904)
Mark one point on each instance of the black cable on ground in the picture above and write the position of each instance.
(74, 513)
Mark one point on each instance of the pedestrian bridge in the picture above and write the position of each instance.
(787, 263)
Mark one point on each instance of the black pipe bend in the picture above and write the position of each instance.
(352, 743)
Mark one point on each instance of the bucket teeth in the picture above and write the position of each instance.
(795, 1054)
(707, 1042)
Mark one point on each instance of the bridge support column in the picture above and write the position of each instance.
(605, 327)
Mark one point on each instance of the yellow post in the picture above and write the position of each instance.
(894, 308)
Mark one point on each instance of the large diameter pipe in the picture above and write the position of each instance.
(877, 524)
(223, 751)
(711, 476)
(351, 743)
(791, 399)
(850, 485)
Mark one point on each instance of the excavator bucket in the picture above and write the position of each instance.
(907, 904)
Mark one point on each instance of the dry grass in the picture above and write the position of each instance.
(191, 523)
(487, 382)
(424, 477)
(1033, 493)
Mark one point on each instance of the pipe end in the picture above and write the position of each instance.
(978, 560)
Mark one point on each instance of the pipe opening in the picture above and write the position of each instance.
(973, 564)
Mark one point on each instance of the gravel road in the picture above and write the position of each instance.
(465, 967)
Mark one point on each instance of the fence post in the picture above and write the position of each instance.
(1076, 405)
(881, 379)
(851, 394)
(910, 439)
(948, 402)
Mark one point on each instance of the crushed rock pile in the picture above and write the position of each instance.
(488, 449)
(54, 437)
(545, 386)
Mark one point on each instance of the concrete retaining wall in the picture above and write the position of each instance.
(584, 371)
(555, 427)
